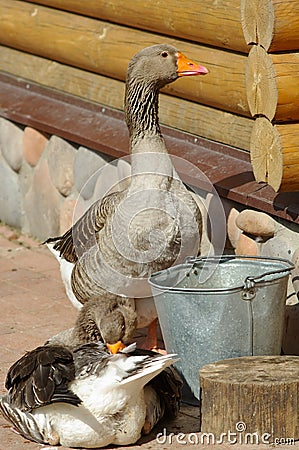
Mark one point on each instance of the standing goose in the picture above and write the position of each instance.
(113, 248)
(84, 397)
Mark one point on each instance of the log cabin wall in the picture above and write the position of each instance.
(80, 54)
(249, 101)
(271, 28)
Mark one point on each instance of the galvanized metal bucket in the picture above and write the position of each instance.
(213, 308)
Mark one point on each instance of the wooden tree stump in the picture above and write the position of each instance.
(255, 397)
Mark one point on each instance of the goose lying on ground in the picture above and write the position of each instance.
(87, 398)
(153, 223)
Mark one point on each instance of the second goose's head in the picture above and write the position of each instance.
(112, 321)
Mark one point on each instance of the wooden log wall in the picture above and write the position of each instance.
(272, 83)
(83, 48)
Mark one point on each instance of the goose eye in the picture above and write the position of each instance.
(164, 54)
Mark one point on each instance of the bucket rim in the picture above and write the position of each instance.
(191, 261)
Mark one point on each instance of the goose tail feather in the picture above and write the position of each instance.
(23, 422)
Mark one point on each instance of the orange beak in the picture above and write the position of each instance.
(115, 348)
(186, 67)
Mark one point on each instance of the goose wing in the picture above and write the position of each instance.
(90, 359)
(168, 385)
(41, 377)
(82, 235)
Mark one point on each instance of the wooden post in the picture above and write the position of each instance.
(256, 397)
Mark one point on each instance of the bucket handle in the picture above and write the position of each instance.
(250, 282)
(249, 289)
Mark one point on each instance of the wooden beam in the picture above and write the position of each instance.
(261, 85)
(273, 24)
(286, 66)
(191, 117)
(266, 153)
(104, 48)
(272, 84)
(275, 154)
(286, 26)
(289, 136)
(257, 19)
(209, 22)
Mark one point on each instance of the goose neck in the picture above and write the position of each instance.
(141, 111)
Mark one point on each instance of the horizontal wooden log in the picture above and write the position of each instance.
(209, 22)
(105, 48)
(286, 26)
(272, 24)
(289, 136)
(272, 82)
(274, 151)
(286, 66)
(193, 118)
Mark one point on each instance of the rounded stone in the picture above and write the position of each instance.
(233, 232)
(67, 214)
(11, 140)
(34, 144)
(25, 177)
(10, 196)
(246, 246)
(87, 165)
(61, 157)
(42, 204)
(256, 223)
(282, 245)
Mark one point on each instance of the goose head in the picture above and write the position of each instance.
(161, 64)
(112, 322)
(148, 71)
